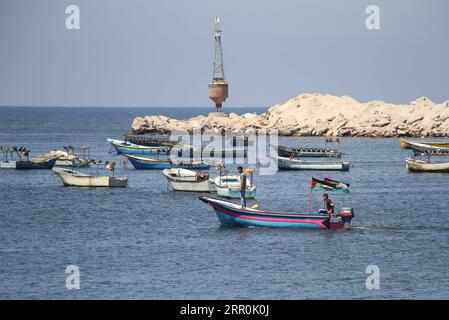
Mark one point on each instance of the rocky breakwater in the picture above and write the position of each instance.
(319, 115)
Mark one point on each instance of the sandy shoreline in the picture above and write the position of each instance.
(319, 115)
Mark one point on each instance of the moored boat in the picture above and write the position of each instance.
(149, 140)
(307, 152)
(230, 213)
(142, 163)
(296, 164)
(415, 165)
(229, 187)
(36, 163)
(428, 150)
(18, 158)
(408, 144)
(8, 164)
(188, 180)
(74, 178)
(209, 152)
(123, 147)
(67, 159)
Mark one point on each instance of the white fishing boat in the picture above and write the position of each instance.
(188, 180)
(229, 187)
(77, 179)
(125, 147)
(296, 164)
(408, 144)
(415, 165)
(67, 159)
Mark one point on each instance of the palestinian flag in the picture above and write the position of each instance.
(329, 185)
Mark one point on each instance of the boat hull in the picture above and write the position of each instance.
(293, 164)
(35, 165)
(7, 164)
(421, 166)
(229, 187)
(308, 152)
(231, 214)
(123, 147)
(202, 186)
(73, 180)
(234, 193)
(71, 164)
(140, 163)
(407, 144)
(210, 152)
(187, 180)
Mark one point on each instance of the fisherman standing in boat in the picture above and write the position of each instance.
(329, 205)
(242, 187)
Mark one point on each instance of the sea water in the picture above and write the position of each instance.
(146, 241)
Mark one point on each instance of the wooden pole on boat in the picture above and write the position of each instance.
(309, 208)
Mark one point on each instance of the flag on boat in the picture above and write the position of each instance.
(329, 185)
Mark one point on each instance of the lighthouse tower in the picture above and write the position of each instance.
(218, 87)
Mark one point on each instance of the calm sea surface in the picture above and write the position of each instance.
(146, 241)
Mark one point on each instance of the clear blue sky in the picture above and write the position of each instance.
(159, 53)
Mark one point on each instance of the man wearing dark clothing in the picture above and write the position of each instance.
(329, 204)
(242, 187)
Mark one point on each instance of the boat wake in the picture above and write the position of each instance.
(400, 229)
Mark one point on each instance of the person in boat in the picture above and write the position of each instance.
(242, 187)
(328, 204)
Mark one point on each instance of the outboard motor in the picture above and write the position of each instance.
(346, 215)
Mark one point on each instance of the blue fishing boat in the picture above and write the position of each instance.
(130, 148)
(141, 163)
(231, 214)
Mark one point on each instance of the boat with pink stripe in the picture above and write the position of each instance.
(231, 214)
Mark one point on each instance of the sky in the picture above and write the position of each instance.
(159, 52)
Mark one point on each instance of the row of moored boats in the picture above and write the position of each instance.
(194, 176)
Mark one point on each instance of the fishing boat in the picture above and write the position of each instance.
(18, 158)
(73, 163)
(188, 180)
(296, 164)
(229, 187)
(36, 163)
(74, 178)
(209, 152)
(427, 149)
(68, 159)
(149, 140)
(307, 152)
(233, 214)
(415, 165)
(407, 144)
(142, 163)
(123, 147)
(230, 213)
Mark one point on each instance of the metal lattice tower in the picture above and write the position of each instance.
(218, 88)
(218, 73)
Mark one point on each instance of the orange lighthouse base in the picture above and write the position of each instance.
(218, 92)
